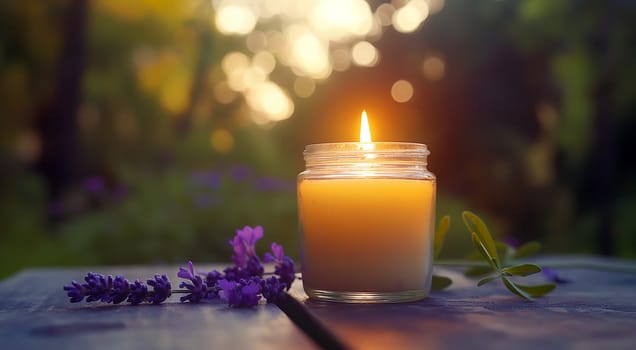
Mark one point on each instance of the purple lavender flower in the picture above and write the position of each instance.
(75, 291)
(232, 273)
(553, 276)
(198, 289)
(98, 287)
(161, 289)
(211, 179)
(244, 293)
(212, 277)
(240, 173)
(284, 265)
(138, 292)
(241, 285)
(254, 267)
(244, 244)
(94, 184)
(285, 270)
(273, 291)
(187, 273)
(121, 288)
(278, 255)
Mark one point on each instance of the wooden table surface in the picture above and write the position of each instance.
(597, 310)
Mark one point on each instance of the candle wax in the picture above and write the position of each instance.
(367, 234)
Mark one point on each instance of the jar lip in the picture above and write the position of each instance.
(370, 147)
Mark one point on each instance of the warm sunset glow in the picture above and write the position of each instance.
(365, 132)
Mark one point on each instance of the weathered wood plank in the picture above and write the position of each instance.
(596, 311)
(35, 314)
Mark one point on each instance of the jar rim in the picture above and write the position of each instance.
(419, 149)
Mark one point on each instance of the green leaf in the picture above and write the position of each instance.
(537, 291)
(515, 289)
(483, 251)
(522, 270)
(476, 225)
(527, 249)
(478, 270)
(487, 280)
(440, 282)
(440, 233)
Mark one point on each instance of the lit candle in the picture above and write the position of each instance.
(366, 213)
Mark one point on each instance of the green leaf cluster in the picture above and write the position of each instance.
(499, 257)
(488, 249)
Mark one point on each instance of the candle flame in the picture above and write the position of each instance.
(365, 133)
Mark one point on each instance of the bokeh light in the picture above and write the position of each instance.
(408, 18)
(236, 19)
(364, 54)
(402, 91)
(222, 140)
(269, 99)
(340, 19)
(433, 68)
(307, 53)
(311, 38)
(265, 61)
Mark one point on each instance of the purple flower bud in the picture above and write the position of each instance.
(273, 291)
(75, 291)
(285, 270)
(278, 255)
(98, 287)
(138, 292)
(284, 265)
(161, 289)
(120, 290)
(198, 290)
(244, 293)
(187, 273)
(244, 244)
(212, 277)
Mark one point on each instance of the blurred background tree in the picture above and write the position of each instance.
(148, 131)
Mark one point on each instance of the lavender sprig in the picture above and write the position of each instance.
(241, 285)
(109, 290)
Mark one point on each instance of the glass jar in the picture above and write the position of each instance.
(366, 214)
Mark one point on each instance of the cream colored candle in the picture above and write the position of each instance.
(366, 216)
